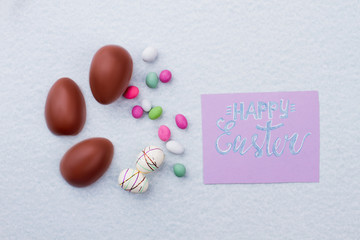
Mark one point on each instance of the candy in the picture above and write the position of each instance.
(174, 147)
(155, 113)
(150, 159)
(179, 169)
(137, 111)
(65, 109)
(110, 72)
(146, 105)
(181, 121)
(133, 181)
(149, 54)
(131, 92)
(165, 76)
(164, 133)
(86, 161)
(152, 80)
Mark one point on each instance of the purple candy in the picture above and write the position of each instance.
(164, 133)
(181, 121)
(165, 76)
(137, 111)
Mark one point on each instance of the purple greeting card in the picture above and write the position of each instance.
(261, 137)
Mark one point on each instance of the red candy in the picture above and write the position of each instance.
(131, 92)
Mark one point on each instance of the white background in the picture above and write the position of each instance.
(211, 47)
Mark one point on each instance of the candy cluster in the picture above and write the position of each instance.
(110, 73)
(164, 133)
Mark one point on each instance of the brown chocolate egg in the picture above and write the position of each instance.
(87, 161)
(65, 109)
(110, 73)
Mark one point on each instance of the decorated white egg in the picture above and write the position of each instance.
(150, 159)
(132, 180)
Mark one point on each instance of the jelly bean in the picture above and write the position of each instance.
(146, 105)
(164, 133)
(179, 169)
(131, 92)
(181, 121)
(175, 147)
(155, 113)
(152, 80)
(137, 111)
(165, 76)
(149, 54)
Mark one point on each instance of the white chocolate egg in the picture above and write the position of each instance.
(132, 180)
(150, 159)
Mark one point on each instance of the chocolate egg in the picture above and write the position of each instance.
(110, 73)
(87, 161)
(65, 109)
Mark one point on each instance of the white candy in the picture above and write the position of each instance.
(133, 181)
(175, 147)
(149, 54)
(146, 105)
(150, 159)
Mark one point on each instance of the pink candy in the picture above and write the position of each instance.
(137, 111)
(131, 92)
(181, 121)
(164, 133)
(165, 76)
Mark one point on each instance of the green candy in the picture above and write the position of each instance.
(155, 113)
(179, 170)
(152, 80)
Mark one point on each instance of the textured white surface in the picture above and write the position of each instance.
(210, 47)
